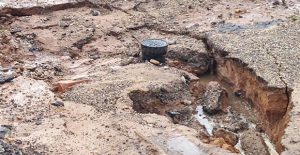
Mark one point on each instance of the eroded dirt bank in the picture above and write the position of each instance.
(272, 103)
(270, 90)
(71, 75)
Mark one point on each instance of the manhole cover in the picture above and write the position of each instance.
(154, 49)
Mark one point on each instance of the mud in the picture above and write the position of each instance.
(79, 80)
(237, 118)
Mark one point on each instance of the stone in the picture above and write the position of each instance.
(126, 62)
(230, 137)
(9, 149)
(238, 126)
(218, 141)
(65, 85)
(215, 98)
(230, 148)
(4, 131)
(30, 67)
(252, 143)
(275, 2)
(171, 42)
(58, 103)
(95, 13)
(195, 62)
(6, 77)
(154, 62)
(181, 116)
(15, 30)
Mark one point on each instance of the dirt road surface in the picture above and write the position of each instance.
(72, 80)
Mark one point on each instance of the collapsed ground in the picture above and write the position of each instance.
(72, 76)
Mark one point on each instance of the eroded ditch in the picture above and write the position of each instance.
(228, 104)
(272, 103)
(232, 123)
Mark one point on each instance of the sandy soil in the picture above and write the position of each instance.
(95, 45)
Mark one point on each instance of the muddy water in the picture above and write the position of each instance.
(239, 116)
(204, 120)
(239, 105)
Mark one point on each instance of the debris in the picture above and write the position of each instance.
(126, 62)
(190, 60)
(218, 141)
(95, 13)
(9, 149)
(15, 30)
(230, 137)
(215, 98)
(18, 141)
(63, 86)
(252, 143)
(58, 103)
(173, 113)
(230, 148)
(6, 77)
(4, 131)
(171, 42)
(124, 92)
(275, 2)
(154, 62)
(181, 116)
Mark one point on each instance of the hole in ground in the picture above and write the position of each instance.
(172, 105)
(234, 126)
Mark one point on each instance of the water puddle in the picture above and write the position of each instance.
(239, 147)
(239, 106)
(203, 120)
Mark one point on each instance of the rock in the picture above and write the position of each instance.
(95, 13)
(218, 141)
(115, 31)
(30, 67)
(171, 42)
(252, 143)
(4, 130)
(215, 98)
(8, 149)
(230, 148)
(80, 43)
(187, 102)
(239, 93)
(64, 24)
(238, 126)
(63, 86)
(189, 76)
(275, 2)
(238, 11)
(230, 137)
(58, 103)
(15, 30)
(193, 61)
(18, 141)
(6, 77)
(197, 88)
(154, 62)
(126, 62)
(181, 116)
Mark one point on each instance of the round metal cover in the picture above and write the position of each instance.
(154, 43)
